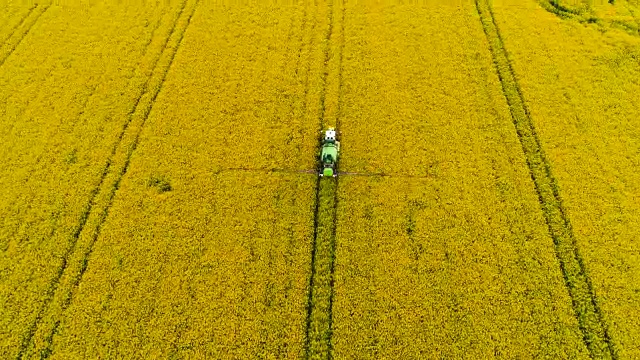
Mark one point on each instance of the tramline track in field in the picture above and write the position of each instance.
(7, 22)
(88, 97)
(123, 158)
(318, 343)
(18, 34)
(590, 318)
(39, 336)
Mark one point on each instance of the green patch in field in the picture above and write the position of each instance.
(606, 15)
(160, 182)
(72, 157)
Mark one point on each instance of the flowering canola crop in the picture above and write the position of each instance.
(448, 253)
(586, 112)
(69, 80)
(159, 196)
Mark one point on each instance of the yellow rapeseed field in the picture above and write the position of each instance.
(224, 276)
(67, 91)
(159, 195)
(450, 253)
(586, 109)
(11, 16)
(203, 252)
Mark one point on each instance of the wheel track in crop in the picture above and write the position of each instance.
(85, 215)
(319, 323)
(588, 313)
(335, 193)
(315, 211)
(314, 341)
(21, 31)
(77, 117)
(588, 16)
(130, 149)
(108, 184)
(17, 24)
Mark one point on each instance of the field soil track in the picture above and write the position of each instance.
(20, 31)
(12, 19)
(588, 312)
(59, 144)
(77, 258)
(320, 297)
(586, 116)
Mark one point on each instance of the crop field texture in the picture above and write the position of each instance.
(449, 254)
(586, 112)
(159, 196)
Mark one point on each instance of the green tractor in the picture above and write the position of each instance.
(329, 153)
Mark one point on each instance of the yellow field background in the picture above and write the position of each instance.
(459, 261)
(158, 196)
(586, 111)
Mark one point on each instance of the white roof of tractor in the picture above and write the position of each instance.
(330, 134)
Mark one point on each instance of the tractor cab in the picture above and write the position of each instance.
(330, 135)
(329, 153)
